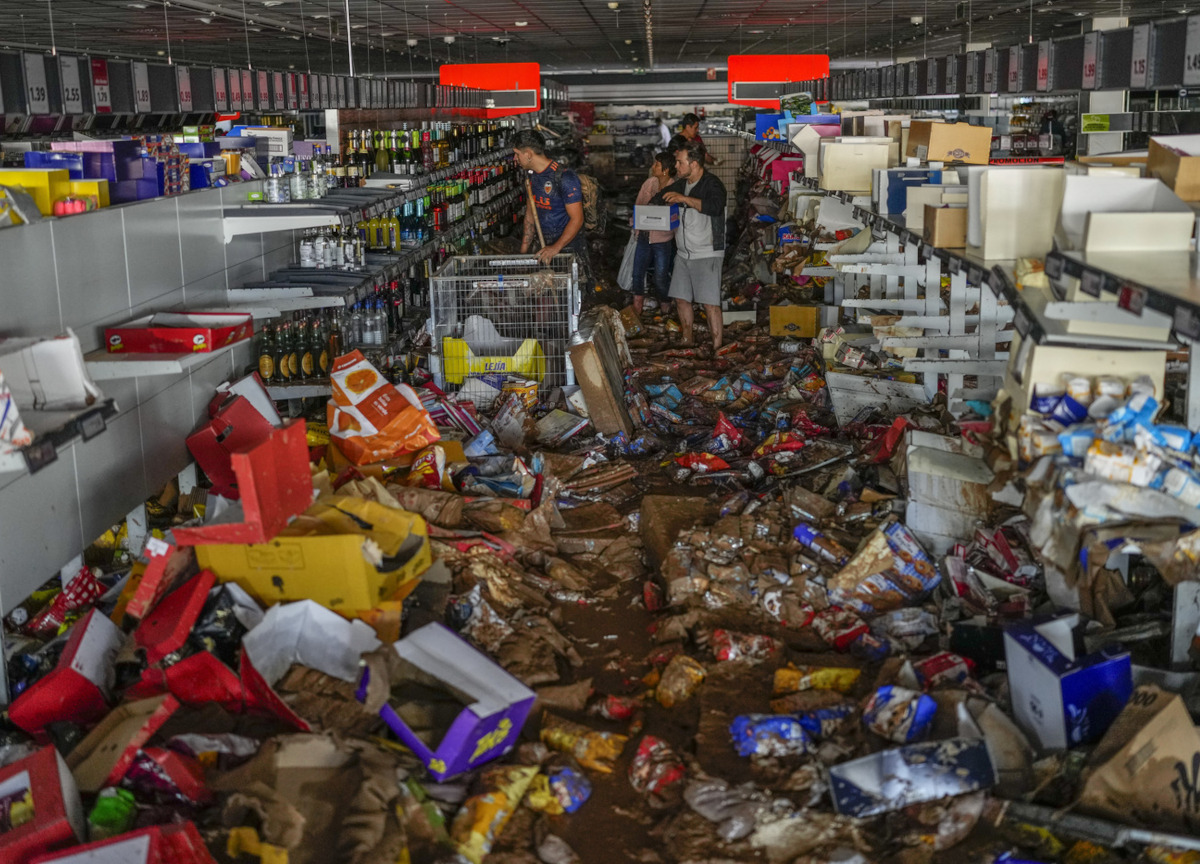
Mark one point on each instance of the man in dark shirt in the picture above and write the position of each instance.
(557, 198)
(699, 241)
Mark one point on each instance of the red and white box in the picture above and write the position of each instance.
(179, 333)
(49, 790)
(79, 687)
(161, 844)
(102, 758)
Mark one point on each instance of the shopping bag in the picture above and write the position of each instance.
(371, 420)
(625, 274)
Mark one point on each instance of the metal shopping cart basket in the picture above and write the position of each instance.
(496, 315)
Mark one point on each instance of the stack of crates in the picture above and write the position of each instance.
(493, 316)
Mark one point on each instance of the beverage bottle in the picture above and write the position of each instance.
(336, 345)
(266, 354)
(283, 363)
(394, 230)
(373, 233)
(383, 156)
(320, 342)
(304, 348)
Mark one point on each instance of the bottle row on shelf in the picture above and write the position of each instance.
(412, 152)
(444, 204)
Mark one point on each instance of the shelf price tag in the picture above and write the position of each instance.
(247, 90)
(1090, 282)
(277, 97)
(1015, 84)
(1091, 44)
(38, 455)
(1187, 323)
(1043, 65)
(292, 98)
(1131, 298)
(931, 76)
(1054, 266)
(235, 90)
(303, 86)
(183, 84)
(1139, 64)
(952, 73)
(220, 92)
(989, 71)
(91, 425)
(37, 96)
(1020, 321)
(141, 88)
(72, 91)
(263, 91)
(101, 94)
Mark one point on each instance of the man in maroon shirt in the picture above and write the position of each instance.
(689, 128)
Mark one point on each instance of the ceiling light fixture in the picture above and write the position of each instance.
(136, 5)
(522, 23)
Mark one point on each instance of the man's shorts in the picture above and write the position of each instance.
(697, 280)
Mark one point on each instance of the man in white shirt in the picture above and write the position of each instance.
(664, 133)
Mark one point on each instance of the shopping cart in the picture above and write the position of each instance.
(491, 316)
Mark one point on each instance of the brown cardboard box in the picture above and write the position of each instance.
(664, 516)
(1179, 170)
(946, 226)
(1144, 770)
(799, 321)
(949, 142)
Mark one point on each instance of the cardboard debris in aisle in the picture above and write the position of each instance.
(773, 602)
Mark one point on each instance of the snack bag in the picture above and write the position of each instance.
(482, 817)
(370, 419)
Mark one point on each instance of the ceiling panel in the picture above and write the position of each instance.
(561, 34)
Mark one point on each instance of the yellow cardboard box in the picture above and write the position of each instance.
(98, 189)
(801, 322)
(46, 185)
(461, 362)
(348, 554)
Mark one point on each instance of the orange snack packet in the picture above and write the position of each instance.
(369, 418)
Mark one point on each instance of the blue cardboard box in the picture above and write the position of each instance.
(766, 127)
(891, 193)
(71, 162)
(1059, 699)
(893, 779)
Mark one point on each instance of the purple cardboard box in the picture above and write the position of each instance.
(495, 703)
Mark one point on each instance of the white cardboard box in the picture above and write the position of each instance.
(1018, 212)
(47, 374)
(1113, 213)
(656, 217)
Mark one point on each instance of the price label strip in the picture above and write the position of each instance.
(72, 91)
(1090, 283)
(1139, 64)
(1191, 53)
(101, 93)
(37, 96)
(141, 88)
(1091, 42)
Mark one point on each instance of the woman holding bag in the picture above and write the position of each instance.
(655, 248)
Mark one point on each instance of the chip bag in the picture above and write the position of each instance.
(370, 419)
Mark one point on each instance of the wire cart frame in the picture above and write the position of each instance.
(493, 315)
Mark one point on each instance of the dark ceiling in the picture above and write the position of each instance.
(563, 35)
